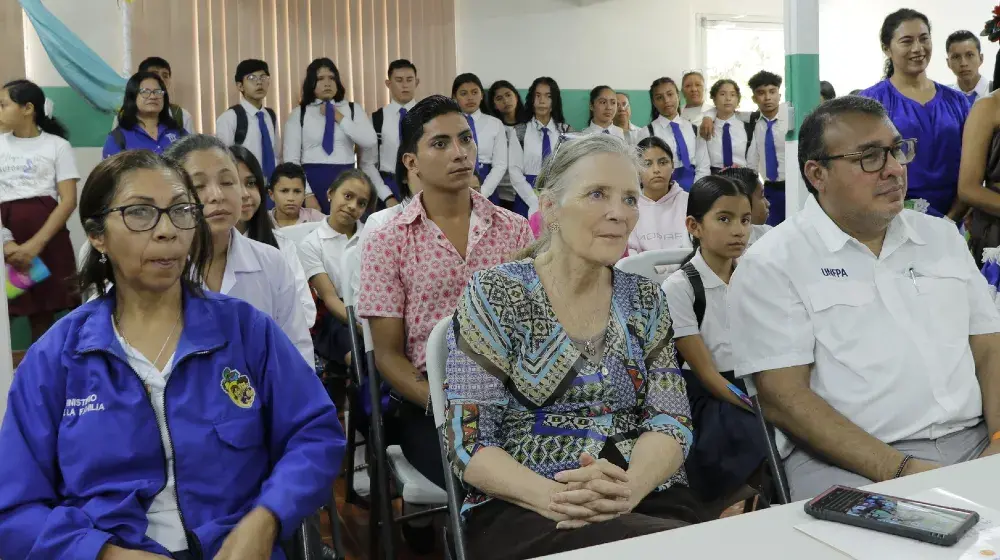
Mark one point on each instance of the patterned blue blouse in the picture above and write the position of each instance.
(516, 381)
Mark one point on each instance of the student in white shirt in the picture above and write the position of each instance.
(870, 334)
(322, 132)
(748, 180)
(488, 131)
(505, 104)
(729, 446)
(965, 58)
(662, 204)
(287, 190)
(249, 123)
(379, 163)
(603, 107)
(690, 158)
(623, 119)
(322, 253)
(38, 179)
(693, 85)
(541, 134)
(240, 267)
(728, 146)
(255, 223)
(767, 147)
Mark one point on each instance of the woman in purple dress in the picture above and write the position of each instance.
(920, 108)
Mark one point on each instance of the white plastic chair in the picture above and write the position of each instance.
(646, 263)
(298, 232)
(437, 360)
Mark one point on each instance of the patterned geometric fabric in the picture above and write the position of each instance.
(516, 381)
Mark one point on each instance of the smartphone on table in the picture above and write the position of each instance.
(925, 522)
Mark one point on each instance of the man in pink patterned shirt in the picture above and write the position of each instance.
(415, 267)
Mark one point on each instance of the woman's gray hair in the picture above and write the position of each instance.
(553, 182)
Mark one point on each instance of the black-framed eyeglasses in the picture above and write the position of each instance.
(873, 159)
(145, 92)
(144, 217)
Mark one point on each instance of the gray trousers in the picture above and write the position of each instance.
(809, 476)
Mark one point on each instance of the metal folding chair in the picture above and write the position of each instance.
(437, 359)
(773, 458)
(357, 478)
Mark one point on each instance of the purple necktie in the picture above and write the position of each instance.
(475, 138)
(402, 115)
(727, 146)
(331, 124)
(546, 144)
(770, 153)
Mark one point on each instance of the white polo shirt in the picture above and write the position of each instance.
(322, 251)
(887, 336)
(714, 329)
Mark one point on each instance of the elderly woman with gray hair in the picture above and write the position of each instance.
(568, 417)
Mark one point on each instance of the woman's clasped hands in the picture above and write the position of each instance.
(595, 492)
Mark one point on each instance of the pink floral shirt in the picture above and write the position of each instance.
(411, 271)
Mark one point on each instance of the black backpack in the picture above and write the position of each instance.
(377, 118)
(750, 127)
(243, 123)
(699, 298)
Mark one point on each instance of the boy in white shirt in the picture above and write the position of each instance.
(379, 162)
(249, 123)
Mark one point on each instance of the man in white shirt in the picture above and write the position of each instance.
(869, 333)
(379, 162)
(767, 146)
(249, 123)
(965, 58)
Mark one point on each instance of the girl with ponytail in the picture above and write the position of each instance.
(38, 179)
(729, 447)
(920, 108)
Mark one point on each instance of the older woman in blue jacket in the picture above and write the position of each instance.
(159, 420)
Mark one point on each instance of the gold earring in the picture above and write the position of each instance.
(554, 227)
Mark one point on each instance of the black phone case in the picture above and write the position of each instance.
(941, 539)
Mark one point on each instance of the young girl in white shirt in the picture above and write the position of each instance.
(760, 208)
(505, 104)
(729, 447)
(488, 131)
(691, 160)
(728, 146)
(321, 134)
(38, 179)
(603, 107)
(663, 204)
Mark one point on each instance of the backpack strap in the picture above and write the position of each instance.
(377, 118)
(274, 117)
(119, 137)
(750, 127)
(699, 290)
(178, 115)
(242, 124)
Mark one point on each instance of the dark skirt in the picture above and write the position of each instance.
(501, 530)
(728, 444)
(320, 177)
(57, 292)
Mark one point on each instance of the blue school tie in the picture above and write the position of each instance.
(475, 138)
(682, 147)
(546, 145)
(402, 115)
(331, 124)
(770, 153)
(727, 146)
(973, 96)
(267, 147)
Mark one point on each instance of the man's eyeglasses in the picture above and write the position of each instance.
(255, 79)
(144, 217)
(873, 159)
(151, 92)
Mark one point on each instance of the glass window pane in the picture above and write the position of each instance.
(738, 50)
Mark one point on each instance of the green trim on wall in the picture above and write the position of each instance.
(802, 79)
(88, 127)
(576, 106)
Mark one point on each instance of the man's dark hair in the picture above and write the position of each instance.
(249, 66)
(154, 62)
(412, 130)
(812, 135)
(962, 36)
(764, 78)
(826, 91)
(287, 170)
(399, 65)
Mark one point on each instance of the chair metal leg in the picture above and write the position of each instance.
(454, 512)
(384, 503)
(773, 458)
(335, 528)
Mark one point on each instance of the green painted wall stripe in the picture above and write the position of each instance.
(88, 127)
(576, 106)
(802, 78)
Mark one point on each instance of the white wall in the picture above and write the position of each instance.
(625, 43)
(849, 51)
